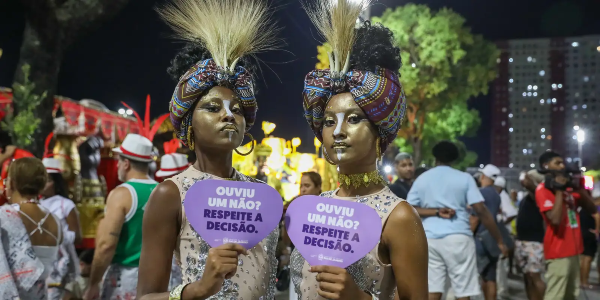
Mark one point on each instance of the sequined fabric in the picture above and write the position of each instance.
(119, 283)
(255, 277)
(369, 273)
(20, 270)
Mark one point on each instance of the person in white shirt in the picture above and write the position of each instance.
(507, 213)
(55, 199)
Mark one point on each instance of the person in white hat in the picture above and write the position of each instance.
(119, 238)
(172, 164)
(56, 200)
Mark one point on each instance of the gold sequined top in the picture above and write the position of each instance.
(255, 276)
(369, 273)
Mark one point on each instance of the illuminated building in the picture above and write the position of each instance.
(546, 90)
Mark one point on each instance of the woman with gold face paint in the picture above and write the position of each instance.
(355, 108)
(212, 108)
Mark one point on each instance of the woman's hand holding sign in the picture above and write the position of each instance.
(221, 264)
(336, 283)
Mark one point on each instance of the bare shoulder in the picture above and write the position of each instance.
(164, 197)
(403, 219)
(119, 196)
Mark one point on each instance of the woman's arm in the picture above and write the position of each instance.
(406, 243)
(73, 222)
(162, 221)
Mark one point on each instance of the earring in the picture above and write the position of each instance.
(251, 149)
(329, 160)
(190, 138)
(378, 148)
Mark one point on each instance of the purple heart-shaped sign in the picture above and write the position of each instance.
(332, 232)
(233, 211)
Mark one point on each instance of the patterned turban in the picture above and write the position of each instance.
(379, 94)
(201, 77)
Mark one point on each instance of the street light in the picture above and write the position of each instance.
(580, 141)
(121, 111)
(129, 112)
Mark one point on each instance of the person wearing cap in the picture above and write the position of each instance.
(405, 169)
(487, 259)
(507, 214)
(119, 238)
(56, 199)
(441, 196)
(529, 247)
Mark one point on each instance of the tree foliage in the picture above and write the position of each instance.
(20, 121)
(444, 65)
(450, 124)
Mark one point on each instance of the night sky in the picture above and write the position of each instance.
(128, 56)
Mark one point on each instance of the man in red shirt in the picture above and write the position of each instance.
(563, 242)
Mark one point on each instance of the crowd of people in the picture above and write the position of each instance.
(435, 224)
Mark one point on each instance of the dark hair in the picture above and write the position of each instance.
(189, 55)
(60, 184)
(547, 156)
(87, 256)
(314, 177)
(28, 176)
(445, 152)
(374, 46)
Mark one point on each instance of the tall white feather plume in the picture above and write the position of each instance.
(336, 22)
(229, 29)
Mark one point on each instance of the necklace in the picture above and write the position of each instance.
(28, 201)
(356, 180)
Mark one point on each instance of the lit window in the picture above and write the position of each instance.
(535, 87)
(529, 87)
(524, 94)
(529, 58)
(584, 106)
(548, 101)
(598, 48)
(510, 80)
(510, 60)
(529, 151)
(574, 107)
(560, 86)
(569, 159)
(510, 115)
(554, 86)
(543, 130)
(524, 151)
(542, 73)
(542, 101)
(535, 94)
(543, 136)
(498, 60)
(533, 60)
(549, 137)
(586, 78)
(529, 94)
(576, 127)
(510, 165)
(575, 44)
(553, 100)
(510, 130)
(532, 165)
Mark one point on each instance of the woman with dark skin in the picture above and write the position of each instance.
(356, 112)
(213, 106)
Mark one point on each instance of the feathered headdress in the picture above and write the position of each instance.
(379, 94)
(229, 30)
(336, 22)
(144, 126)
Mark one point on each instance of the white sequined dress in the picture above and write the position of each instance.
(256, 273)
(369, 273)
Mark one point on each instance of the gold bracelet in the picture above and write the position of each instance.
(175, 294)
